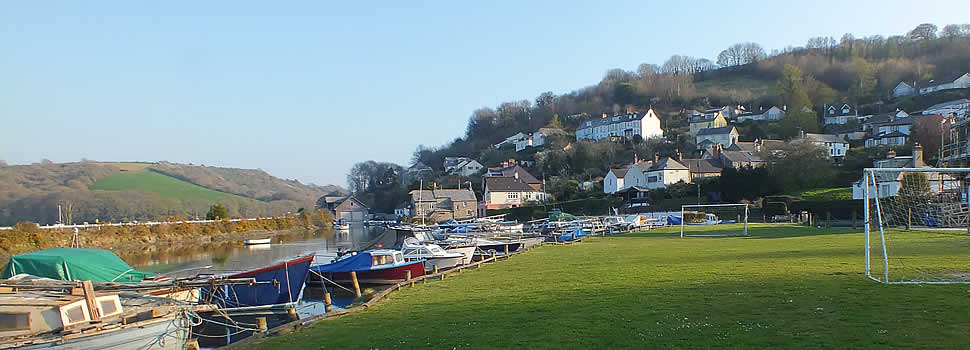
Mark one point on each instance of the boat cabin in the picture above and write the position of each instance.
(381, 257)
(32, 313)
(428, 250)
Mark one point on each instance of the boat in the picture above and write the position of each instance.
(709, 219)
(376, 266)
(47, 319)
(433, 255)
(222, 327)
(257, 241)
(75, 264)
(280, 283)
(569, 235)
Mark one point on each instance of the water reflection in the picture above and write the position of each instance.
(220, 257)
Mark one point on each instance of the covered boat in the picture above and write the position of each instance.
(74, 264)
(572, 235)
(377, 266)
(280, 283)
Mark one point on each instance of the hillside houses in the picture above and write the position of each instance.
(959, 109)
(839, 114)
(904, 89)
(888, 129)
(462, 166)
(774, 113)
(724, 136)
(658, 172)
(444, 204)
(522, 141)
(627, 126)
(699, 122)
(835, 146)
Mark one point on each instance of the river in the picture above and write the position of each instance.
(234, 256)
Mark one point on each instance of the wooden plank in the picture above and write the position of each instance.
(91, 300)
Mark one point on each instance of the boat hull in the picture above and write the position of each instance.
(467, 252)
(390, 275)
(442, 263)
(258, 241)
(136, 336)
(214, 333)
(286, 283)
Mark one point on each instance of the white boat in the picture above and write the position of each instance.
(43, 320)
(258, 241)
(433, 255)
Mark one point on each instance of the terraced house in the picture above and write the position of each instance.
(645, 125)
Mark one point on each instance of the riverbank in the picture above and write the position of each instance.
(785, 286)
(27, 237)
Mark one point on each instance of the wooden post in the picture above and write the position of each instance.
(353, 278)
(327, 304)
(192, 344)
(909, 218)
(434, 269)
(291, 312)
(91, 300)
(407, 274)
(828, 219)
(555, 238)
(506, 250)
(854, 224)
(261, 324)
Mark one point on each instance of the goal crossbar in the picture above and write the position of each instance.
(684, 209)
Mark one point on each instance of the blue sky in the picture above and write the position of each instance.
(306, 89)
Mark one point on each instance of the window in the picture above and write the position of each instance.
(513, 195)
(14, 321)
(652, 179)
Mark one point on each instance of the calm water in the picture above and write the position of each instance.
(222, 257)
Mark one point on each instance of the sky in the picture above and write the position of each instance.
(303, 90)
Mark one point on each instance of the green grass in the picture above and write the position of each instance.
(783, 287)
(757, 87)
(826, 194)
(166, 186)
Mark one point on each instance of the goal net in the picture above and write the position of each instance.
(917, 224)
(714, 220)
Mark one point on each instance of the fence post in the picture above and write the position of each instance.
(407, 276)
(353, 278)
(327, 304)
(909, 218)
(828, 219)
(854, 224)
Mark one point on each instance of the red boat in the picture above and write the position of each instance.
(378, 266)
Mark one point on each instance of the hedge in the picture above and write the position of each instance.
(840, 209)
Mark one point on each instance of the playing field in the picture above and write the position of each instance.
(166, 186)
(783, 287)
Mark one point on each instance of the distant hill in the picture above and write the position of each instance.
(89, 191)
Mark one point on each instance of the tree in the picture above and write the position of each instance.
(951, 31)
(926, 132)
(554, 123)
(806, 159)
(865, 78)
(790, 88)
(741, 53)
(925, 31)
(217, 212)
(646, 70)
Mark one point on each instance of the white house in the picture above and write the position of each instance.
(539, 137)
(889, 183)
(959, 109)
(646, 125)
(462, 166)
(615, 180)
(512, 140)
(835, 146)
(903, 89)
(666, 171)
(724, 136)
(894, 131)
(961, 81)
(836, 114)
(772, 114)
(509, 192)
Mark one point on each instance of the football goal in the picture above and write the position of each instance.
(713, 220)
(916, 224)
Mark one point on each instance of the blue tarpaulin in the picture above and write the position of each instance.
(357, 262)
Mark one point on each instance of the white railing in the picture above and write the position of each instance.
(147, 223)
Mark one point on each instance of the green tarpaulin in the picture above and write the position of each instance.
(74, 264)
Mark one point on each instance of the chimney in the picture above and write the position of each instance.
(516, 175)
(656, 158)
(892, 153)
(918, 156)
(680, 156)
(604, 114)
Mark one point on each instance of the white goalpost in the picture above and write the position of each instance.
(725, 217)
(916, 224)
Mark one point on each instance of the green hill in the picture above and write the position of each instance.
(164, 185)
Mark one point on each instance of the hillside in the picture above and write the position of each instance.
(88, 191)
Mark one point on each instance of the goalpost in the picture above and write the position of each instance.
(916, 224)
(725, 217)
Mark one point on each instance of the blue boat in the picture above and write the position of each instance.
(576, 234)
(377, 266)
(276, 284)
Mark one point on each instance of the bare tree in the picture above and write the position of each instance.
(955, 30)
(647, 70)
(923, 31)
(741, 53)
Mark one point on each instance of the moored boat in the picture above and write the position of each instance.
(275, 284)
(257, 241)
(377, 266)
(75, 264)
(433, 255)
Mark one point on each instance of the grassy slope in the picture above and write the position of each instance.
(840, 193)
(784, 287)
(165, 186)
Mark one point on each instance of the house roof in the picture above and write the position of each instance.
(935, 82)
(456, 195)
(422, 195)
(351, 204)
(715, 131)
(700, 166)
(705, 117)
(620, 172)
(836, 110)
(892, 134)
(418, 166)
(633, 189)
(824, 138)
(506, 184)
(614, 119)
(948, 104)
(740, 156)
(550, 131)
(512, 170)
(666, 163)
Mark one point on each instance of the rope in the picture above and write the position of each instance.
(334, 283)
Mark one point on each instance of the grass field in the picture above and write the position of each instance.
(823, 194)
(166, 186)
(783, 287)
